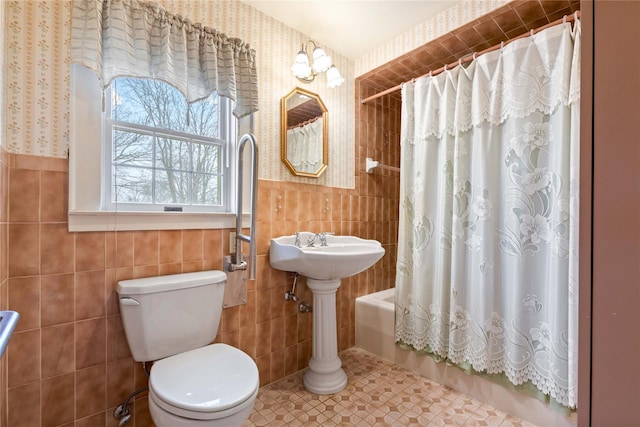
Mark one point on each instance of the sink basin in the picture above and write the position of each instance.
(343, 256)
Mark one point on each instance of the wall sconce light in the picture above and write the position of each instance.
(321, 63)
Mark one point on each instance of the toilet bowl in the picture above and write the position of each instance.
(214, 385)
(172, 320)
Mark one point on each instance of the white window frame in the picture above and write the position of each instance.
(225, 139)
(87, 158)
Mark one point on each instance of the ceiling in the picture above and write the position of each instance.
(355, 27)
(351, 27)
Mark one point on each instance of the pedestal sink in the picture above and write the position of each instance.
(324, 266)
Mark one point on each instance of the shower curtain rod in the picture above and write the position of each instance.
(469, 58)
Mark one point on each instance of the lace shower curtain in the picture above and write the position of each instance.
(304, 146)
(488, 235)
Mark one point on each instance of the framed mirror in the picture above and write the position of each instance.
(304, 133)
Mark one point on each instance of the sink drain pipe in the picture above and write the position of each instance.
(291, 295)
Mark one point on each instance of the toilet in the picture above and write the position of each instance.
(172, 320)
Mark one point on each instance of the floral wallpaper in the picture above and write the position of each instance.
(37, 77)
(37, 89)
(2, 86)
(276, 46)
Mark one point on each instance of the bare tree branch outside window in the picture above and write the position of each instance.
(164, 151)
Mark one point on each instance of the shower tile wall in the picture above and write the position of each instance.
(511, 20)
(68, 360)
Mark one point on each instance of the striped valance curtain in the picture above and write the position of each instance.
(129, 38)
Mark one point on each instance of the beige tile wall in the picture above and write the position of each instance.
(68, 360)
(4, 270)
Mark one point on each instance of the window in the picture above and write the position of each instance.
(148, 154)
(162, 153)
(144, 153)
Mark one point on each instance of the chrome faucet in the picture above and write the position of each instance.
(312, 240)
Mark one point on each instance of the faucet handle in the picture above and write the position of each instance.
(297, 241)
(323, 237)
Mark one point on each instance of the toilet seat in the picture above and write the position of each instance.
(207, 383)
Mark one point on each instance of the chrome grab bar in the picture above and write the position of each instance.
(8, 321)
(239, 263)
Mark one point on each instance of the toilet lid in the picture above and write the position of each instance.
(208, 379)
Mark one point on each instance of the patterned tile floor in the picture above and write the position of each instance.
(379, 393)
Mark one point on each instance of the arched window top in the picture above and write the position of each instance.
(129, 38)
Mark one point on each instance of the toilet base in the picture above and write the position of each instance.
(162, 418)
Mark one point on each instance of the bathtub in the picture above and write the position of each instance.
(375, 323)
(375, 330)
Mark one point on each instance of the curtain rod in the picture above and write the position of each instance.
(566, 18)
(304, 123)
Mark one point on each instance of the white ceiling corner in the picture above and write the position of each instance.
(351, 27)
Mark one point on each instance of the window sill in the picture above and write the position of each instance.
(137, 221)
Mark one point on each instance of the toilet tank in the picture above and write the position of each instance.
(167, 315)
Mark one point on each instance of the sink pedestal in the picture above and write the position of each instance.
(325, 374)
(324, 266)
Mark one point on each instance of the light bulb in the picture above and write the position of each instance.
(321, 61)
(334, 79)
(301, 67)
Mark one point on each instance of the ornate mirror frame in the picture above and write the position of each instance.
(298, 108)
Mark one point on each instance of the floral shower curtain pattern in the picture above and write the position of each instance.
(488, 236)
